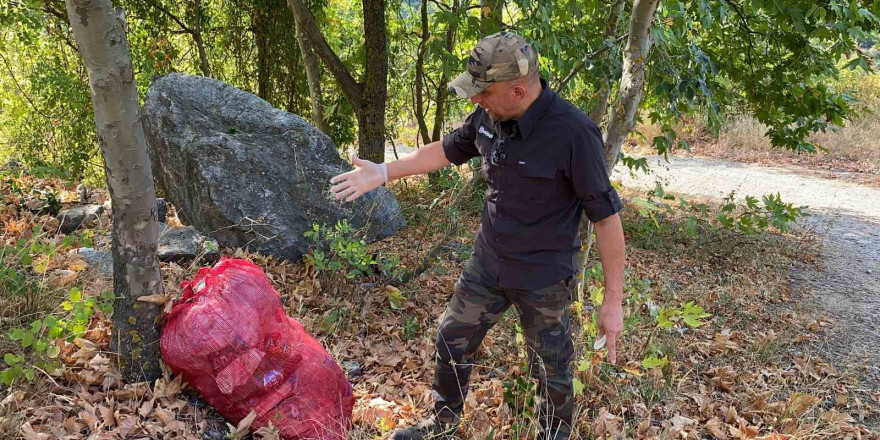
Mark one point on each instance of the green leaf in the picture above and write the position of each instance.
(27, 340)
(75, 295)
(693, 313)
(654, 362)
(11, 359)
(29, 374)
(395, 297)
(9, 375)
(578, 387)
(16, 334)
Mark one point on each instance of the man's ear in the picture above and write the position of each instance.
(520, 91)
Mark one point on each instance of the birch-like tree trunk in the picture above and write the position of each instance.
(313, 76)
(99, 29)
(632, 81)
(611, 25)
(630, 91)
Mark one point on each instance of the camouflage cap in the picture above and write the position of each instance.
(499, 57)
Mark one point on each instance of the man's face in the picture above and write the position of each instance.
(500, 100)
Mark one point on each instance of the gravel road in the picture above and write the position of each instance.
(845, 283)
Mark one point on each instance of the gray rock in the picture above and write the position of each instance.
(353, 369)
(12, 165)
(248, 174)
(75, 217)
(179, 243)
(101, 261)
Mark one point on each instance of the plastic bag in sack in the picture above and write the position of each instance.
(230, 339)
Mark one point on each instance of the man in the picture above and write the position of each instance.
(544, 164)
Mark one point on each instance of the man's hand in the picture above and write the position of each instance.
(365, 177)
(610, 324)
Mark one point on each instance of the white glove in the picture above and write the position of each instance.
(365, 177)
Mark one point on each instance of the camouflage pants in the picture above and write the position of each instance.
(475, 307)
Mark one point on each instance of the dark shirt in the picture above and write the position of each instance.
(549, 169)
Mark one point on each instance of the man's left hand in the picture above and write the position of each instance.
(610, 325)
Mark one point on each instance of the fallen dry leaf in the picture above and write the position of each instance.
(29, 434)
(798, 404)
(156, 298)
(237, 432)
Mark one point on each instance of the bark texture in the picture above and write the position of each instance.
(368, 97)
(99, 29)
(632, 81)
(313, 76)
(611, 25)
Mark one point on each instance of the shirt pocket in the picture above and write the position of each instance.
(535, 182)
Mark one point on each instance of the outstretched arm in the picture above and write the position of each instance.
(367, 175)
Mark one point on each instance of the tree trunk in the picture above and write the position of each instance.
(611, 25)
(99, 29)
(443, 94)
(632, 82)
(262, 57)
(421, 113)
(313, 76)
(371, 137)
(491, 16)
(204, 66)
(367, 98)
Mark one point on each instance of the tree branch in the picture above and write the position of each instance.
(18, 86)
(173, 17)
(581, 64)
(352, 89)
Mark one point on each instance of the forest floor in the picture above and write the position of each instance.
(762, 341)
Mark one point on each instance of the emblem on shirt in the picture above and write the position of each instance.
(486, 132)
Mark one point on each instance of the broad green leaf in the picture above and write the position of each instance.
(578, 387)
(654, 362)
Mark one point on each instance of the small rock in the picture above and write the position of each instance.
(366, 287)
(161, 209)
(496, 372)
(12, 165)
(83, 193)
(179, 243)
(75, 217)
(352, 369)
(102, 261)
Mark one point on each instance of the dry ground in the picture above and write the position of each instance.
(747, 373)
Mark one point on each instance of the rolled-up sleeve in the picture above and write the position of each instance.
(589, 176)
(459, 145)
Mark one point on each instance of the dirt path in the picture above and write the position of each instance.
(845, 282)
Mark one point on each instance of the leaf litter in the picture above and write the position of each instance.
(747, 373)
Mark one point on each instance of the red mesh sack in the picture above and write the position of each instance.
(230, 339)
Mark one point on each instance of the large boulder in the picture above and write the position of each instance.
(248, 174)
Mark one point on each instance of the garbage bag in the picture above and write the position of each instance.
(230, 339)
